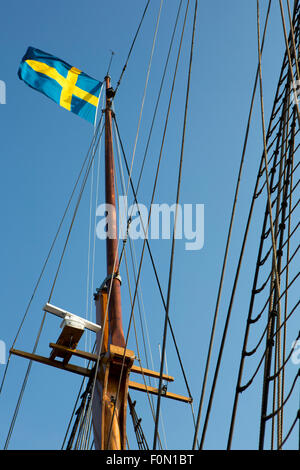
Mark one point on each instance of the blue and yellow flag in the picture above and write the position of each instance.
(66, 85)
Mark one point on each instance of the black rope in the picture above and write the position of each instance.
(140, 436)
(152, 198)
(174, 232)
(291, 429)
(251, 320)
(94, 147)
(247, 385)
(132, 45)
(76, 208)
(48, 256)
(159, 96)
(224, 336)
(272, 415)
(154, 267)
(80, 413)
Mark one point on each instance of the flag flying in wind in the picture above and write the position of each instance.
(66, 85)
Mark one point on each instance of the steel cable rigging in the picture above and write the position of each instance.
(261, 171)
(254, 291)
(91, 153)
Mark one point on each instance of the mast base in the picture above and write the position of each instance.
(111, 410)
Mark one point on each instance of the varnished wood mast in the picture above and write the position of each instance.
(110, 399)
(114, 308)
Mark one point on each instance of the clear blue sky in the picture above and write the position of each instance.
(42, 148)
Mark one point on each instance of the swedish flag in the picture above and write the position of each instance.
(66, 85)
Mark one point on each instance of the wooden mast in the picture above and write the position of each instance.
(114, 309)
(110, 400)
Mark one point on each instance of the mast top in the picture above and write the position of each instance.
(110, 92)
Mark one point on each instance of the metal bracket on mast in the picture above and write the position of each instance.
(104, 284)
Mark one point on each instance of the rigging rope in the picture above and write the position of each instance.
(153, 194)
(132, 45)
(282, 191)
(249, 321)
(287, 278)
(159, 96)
(118, 84)
(291, 429)
(289, 57)
(133, 316)
(47, 258)
(89, 167)
(139, 180)
(139, 294)
(90, 286)
(174, 230)
(145, 89)
(51, 292)
(154, 268)
(158, 282)
(275, 260)
(105, 316)
(141, 440)
(227, 320)
(220, 288)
